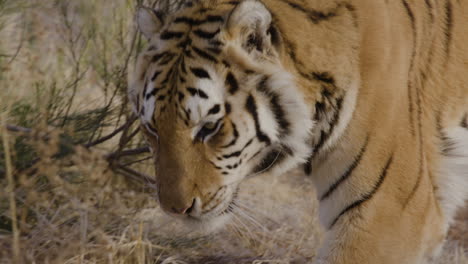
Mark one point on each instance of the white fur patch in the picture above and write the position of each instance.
(452, 181)
(250, 14)
(349, 104)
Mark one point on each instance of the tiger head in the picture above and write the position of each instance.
(216, 104)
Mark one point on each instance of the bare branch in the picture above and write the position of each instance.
(98, 141)
(141, 177)
(123, 153)
(13, 128)
(138, 161)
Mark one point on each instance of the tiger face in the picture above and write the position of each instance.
(216, 104)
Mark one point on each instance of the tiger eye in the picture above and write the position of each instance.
(210, 125)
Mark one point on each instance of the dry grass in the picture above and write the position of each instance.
(59, 62)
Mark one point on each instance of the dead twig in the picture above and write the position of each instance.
(130, 152)
(13, 128)
(141, 177)
(11, 194)
(137, 161)
(103, 139)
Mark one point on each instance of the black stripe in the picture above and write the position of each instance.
(320, 110)
(168, 76)
(216, 43)
(214, 110)
(145, 88)
(227, 107)
(429, 10)
(251, 107)
(427, 68)
(324, 135)
(187, 114)
(195, 91)
(188, 21)
(198, 22)
(232, 83)
(415, 187)
(226, 64)
(233, 2)
(235, 136)
(445, 151)
(410, 13)
(274, 35)
(418, 105)
(169, 56)
(420, 147)
(308, 166)
(279, 113)
(214, 50)
(347, 173)
(448, 27)
(137, 103)
(214, 165)
(446, 144)
(320, 16)
(205, 34)
(200, 73)
(157, 57)
(184, 44)
(291, 48)
(272, 158)
(155, 75)
(367, 196)
(204, 10)
(182, 79)
(180, 96)
(314, 15)
(239, 152)
(204, 54)
(212, 19)
(325, 77)
(464, 122)
(153, 92)
(166, 35)
(328, 85)
(183, 65)
(413, 56)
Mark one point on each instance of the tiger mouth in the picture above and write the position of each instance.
(224, 211)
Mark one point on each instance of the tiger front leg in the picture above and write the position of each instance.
(380, 231)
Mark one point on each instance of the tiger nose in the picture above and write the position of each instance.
(185, 210)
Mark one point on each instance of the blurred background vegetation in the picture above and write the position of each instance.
(75, 175)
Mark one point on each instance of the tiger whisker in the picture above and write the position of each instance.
(236, 229)
(258, 212)
(247, 229)
(250, 218)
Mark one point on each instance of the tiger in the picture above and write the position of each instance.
(369, 98)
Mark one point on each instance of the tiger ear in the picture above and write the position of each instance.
(149, 21)
(251, 20)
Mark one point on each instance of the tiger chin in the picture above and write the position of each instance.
(370, 97)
